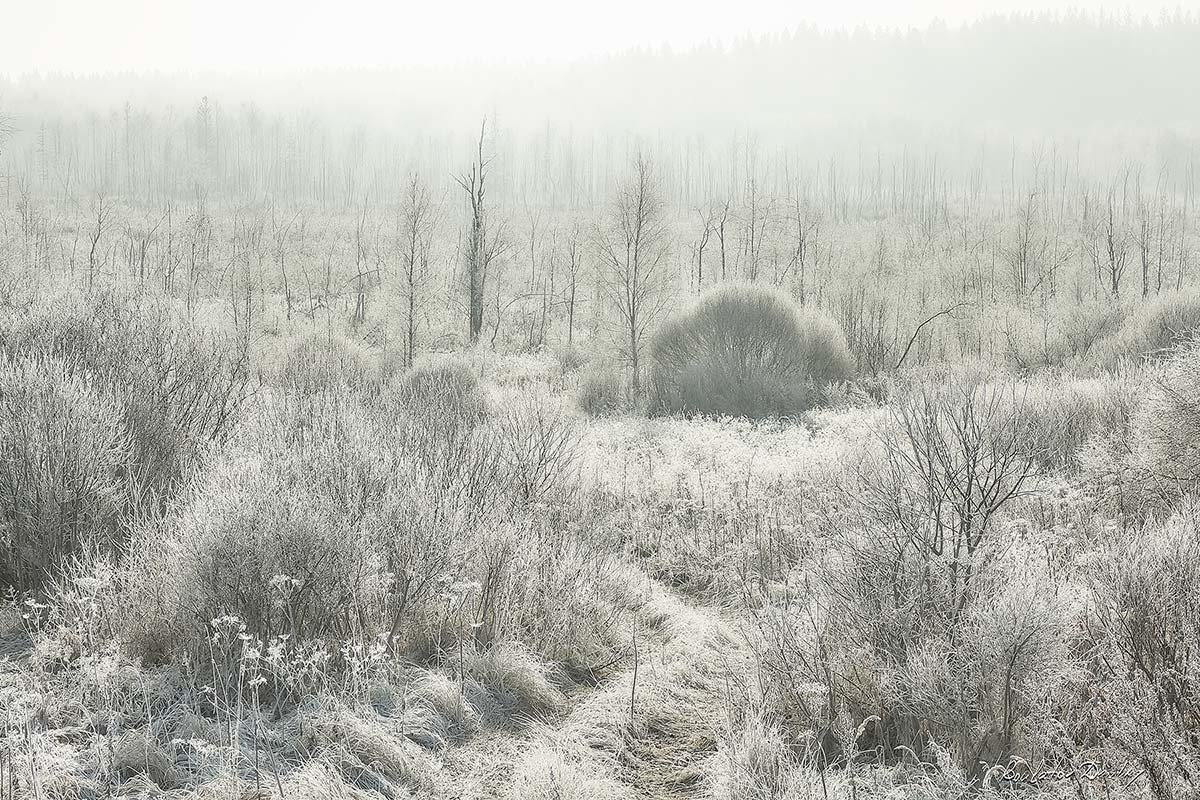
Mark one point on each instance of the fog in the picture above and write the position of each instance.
(1103, 91)
(277, 36)
(751, 400)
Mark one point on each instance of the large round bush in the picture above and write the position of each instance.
(445, 396)
(748, 351)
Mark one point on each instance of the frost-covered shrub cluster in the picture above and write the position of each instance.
(746, 350)
(380, 574)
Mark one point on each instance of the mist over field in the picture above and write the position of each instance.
(652, 401)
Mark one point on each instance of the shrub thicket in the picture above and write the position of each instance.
(323, 361)
(179, 388)
(336, 517)
(63, 454)
(571, 358)
(938, 626)
(1067, 415)
(1166, 428)
(1070, 337)
(1145, 627)
(1152, 331)
(111, 405)
(276, 531)
(447, 392)
(601, 391)
(746, 350)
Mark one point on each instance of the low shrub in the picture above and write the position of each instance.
(1081, 327)
(539, 445)
(601, 391)
(1067, 415)
(746, 350)
(277, 531)
(331, 519)
(1166, 322)
(1145, 627)
(446, 392)
(571, 358)
(322, 361)
(63, 458)
(1065, 338)
(934, 626)
(180, 387)
(1166, 429)
(1152, 331)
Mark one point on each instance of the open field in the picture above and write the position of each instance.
(331, 578)
(659, 426)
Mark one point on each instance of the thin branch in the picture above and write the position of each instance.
(912, 339)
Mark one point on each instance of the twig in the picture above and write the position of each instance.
(917, 332)
(633, 688)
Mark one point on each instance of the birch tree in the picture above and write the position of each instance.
(633, 244)
(417, 224)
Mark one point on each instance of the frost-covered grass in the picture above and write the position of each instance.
(726, 507)
(452, 583)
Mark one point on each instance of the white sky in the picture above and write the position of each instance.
(106, 35)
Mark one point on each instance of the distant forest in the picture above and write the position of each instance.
(1025, 167)
(1107, 91)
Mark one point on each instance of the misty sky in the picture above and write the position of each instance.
(86, 36)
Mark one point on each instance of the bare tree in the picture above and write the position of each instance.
(954, 456)
(199, 248)
(540, 277)
(417, 223)
(808, 225)
(707, 228)
(573, 250)
(1023, 248)
(1109, 247)
(102, 212)
(478, 252)
(245, 276)
(1182, 253)
(1154, 239)
(138, 241)
(7, 129)
(280, 236)
(720, 220)
(363, 274)
(758, 211)
(633, 245)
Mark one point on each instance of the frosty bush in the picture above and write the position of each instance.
(1066, 338)
(1167, 428)
(1066, 415)
(539, 446)
(745, 350)
(1146, 629)
(180, 387)
(1153, 331)
(601, 391)
(275, 534)
(330, 517)
(63, 454)
(446, 393)
(930, 621)
(322, 361)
